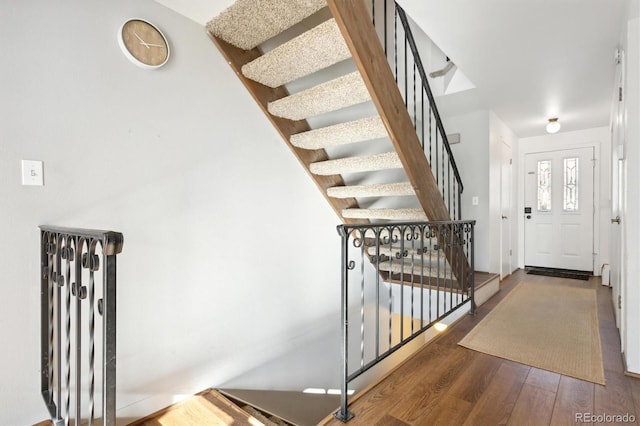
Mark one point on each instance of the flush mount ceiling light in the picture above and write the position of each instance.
(553, 125)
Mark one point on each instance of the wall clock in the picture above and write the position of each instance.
(143, 44)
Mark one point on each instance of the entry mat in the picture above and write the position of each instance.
(560, 273)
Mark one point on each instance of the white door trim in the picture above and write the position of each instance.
(554, 143)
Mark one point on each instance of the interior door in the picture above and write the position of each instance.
(559, 209)
(616, 234)
(505, 207)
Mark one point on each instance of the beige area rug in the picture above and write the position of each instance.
(549, 326)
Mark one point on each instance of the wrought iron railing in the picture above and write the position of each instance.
(396, 37)
(396, 284)
(78, 324)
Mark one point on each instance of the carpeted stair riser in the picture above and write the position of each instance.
(385, 161)
(249, 23)
(375, 190)
(312, 51)
(385, 214)
(341, 134)
(330, 96)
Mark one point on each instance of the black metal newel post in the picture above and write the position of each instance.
(473, 268)
(343, 414)
(107, 307)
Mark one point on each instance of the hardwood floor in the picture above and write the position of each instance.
(448, 384)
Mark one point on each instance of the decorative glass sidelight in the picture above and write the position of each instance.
(570, 200)
(544, 185)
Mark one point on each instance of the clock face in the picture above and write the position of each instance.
(143, 43)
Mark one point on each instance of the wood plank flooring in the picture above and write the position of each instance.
(450, 385)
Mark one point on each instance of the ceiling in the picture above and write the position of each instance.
(529, 59)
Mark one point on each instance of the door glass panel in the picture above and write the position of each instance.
(570, 203)
(544, 185)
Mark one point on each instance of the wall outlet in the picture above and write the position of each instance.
(32, 173)
(474, 201)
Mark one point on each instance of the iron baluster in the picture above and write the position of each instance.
(67, 381)
(395, 45)
(385, 27)
(443, 181)
(78, 293)
(406, 71)
(58, 277)
(415, 104)
(437, 163)
(362, 300)
(377, 262)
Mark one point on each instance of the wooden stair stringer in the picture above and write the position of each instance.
(355, 24)
(262, 94)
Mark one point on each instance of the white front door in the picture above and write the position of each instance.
(559, 209)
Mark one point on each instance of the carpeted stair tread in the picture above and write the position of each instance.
(369, 163)
(396, 189)
(312, 51)
(430, 258)
(386, 214)
(415, 268)
(332, 95)
(249, 23)
(340, 134)
(396, 252)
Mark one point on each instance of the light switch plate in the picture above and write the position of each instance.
(32, 173)
(474, 201)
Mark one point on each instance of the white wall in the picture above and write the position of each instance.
(231, 255)
(472, 156)
(600, 139)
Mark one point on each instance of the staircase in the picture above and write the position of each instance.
(322, 77)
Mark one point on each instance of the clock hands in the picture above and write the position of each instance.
(141, 40)
(147, 45)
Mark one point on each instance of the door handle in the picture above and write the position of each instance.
(616, 220)
(504, 217)
(528, 216)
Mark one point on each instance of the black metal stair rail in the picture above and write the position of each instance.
(396, 285)
(74, 291)
(405, 62)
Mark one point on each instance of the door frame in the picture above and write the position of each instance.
(591, 138)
